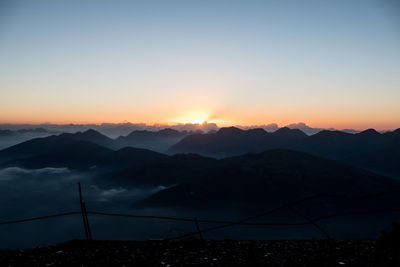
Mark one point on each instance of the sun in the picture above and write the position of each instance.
(197, 117)
(197, 121)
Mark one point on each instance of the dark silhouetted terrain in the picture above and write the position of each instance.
(10, 137)
(158, 141)
(247, 181)
(281, 167)
(256, 180)
(366, 149)
(208, 253)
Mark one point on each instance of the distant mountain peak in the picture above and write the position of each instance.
(91, 132)
(369, 132)
(89, 135)
(285, 131)
(229, 130)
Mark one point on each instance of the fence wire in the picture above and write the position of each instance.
(227, 223)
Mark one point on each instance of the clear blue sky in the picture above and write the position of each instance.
(327, 63)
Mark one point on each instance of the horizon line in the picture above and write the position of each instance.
(205, 123)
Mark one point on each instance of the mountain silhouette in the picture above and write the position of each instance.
(79, 150)
(154, 140)
(84, 155)
(73, 154)
(90, 136)
(261, 180)
(251, 180)
(234, 141)
(158, 141)
(52, 144)
(347, 147)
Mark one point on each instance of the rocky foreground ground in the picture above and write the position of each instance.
(194, 252)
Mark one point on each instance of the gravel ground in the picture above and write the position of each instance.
(193, 252)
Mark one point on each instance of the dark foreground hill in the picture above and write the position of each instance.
(368, 149)
(378, 152)
(158, 141)
(81, 151)
(251, 180)
(58, 144)
(260, 180)
(233, 141)
(80, 155)
(193, 252)
(254, 181)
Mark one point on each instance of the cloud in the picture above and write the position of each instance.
(113, 192)
(46, 170)
(13, 173)
(121, 194)
(28, 193)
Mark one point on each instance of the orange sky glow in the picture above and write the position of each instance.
(319, 120)
(333, 64)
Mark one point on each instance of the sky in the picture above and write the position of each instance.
(325, 63)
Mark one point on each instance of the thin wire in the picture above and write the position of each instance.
(41, 217)
(186, 219)
(343, 196)
(294, 224)
(230, 223)
(203, 221)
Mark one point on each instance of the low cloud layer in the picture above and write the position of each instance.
(30, 193)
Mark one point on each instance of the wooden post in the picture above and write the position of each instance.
(86, 226)
(198, 228)
(87, 223)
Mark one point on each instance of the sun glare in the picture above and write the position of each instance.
(193, 118)
(197, 121)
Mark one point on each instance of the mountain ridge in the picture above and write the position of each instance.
(337, 145)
